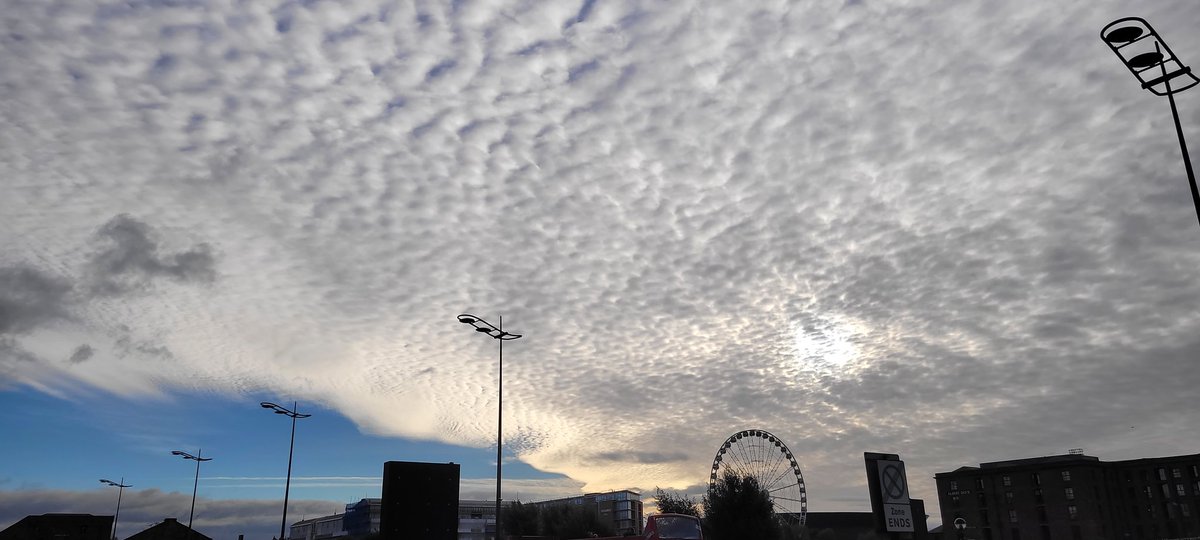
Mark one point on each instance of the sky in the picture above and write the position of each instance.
(959, 232)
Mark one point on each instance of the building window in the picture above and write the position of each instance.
(1196, 487)
(1180, 490)
(1176, 473)
(1036, 479)
(1162, 474)
(1041, 511)
(1149, 492)
(1069, 493)
(1012, 516)
(1037, 496)
(954, 485)
(983, 517)
(1166, 490)
(1072, 511)
(1195, 471)
(1008, 497)
(1007, 480)
(1066, 476)
(981, 498)
(1185, 509)
(979, 483)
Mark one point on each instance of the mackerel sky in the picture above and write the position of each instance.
(957, 231)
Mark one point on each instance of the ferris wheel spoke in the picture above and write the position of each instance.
(778, 478)
(779, 458)
(788, 499)
(783, 487)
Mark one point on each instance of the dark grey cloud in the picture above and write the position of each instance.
(82, 353)
(129, 259)
(30, 298)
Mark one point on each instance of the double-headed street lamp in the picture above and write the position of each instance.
(960, 525)
(497, 333)
(195, 483)
(120, 489)
(1142, 50)
(291, 445)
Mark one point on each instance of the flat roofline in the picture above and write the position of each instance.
(1064, 460)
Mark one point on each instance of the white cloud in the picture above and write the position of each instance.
(658, 196)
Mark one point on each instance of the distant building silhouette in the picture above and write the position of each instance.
(318, 528)
(622, 510)
(60, 527)
(476, 521)
(1074, 497)
(362, 518)
(859, 525)
(169, 529)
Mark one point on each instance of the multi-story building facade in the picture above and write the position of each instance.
(317, 528)
(1075, 497)
(362, 518)
(477, 519)
(622, 510)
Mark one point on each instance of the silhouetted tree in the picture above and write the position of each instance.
(571, 521)
(520, 520)
(736, 508)
(670, 502)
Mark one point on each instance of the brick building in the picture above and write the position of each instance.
(1075, 497)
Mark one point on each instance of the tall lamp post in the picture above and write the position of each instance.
(287, 486)
(1142, 50)
(120, 490)
(195, 483)
(497, 333)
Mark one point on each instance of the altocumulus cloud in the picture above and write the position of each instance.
(939, 230)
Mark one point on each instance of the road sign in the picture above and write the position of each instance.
(898, 517)
(893, 493)
(893, 483)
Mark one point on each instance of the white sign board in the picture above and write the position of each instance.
(898, 517)
(893, 490)
(893, 483)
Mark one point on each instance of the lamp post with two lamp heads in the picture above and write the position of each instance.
(1142, 50)
(497, 333)
(120, 490)
(195, 483)
(287, 486)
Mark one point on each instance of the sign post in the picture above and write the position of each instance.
(890, 501)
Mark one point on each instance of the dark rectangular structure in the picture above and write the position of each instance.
(1075, 497)
(420, 500)
(60, 527)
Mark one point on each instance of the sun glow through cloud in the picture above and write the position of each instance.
(826, 346)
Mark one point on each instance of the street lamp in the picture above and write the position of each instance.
(501, 336)
(291, 445)
(1141, 50)
(196, 483)
(960, 525)
(120, 489)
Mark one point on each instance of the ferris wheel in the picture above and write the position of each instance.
(763, 456)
